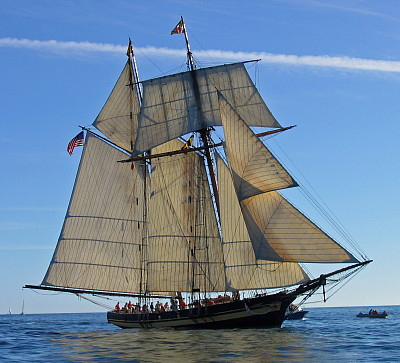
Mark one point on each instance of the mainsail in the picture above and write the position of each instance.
(185, 250)
(100, 242)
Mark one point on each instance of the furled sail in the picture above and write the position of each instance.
(254, 169)
(184, 250)
(118, 117)
(99, 246)
(185, 102)
(243, 269)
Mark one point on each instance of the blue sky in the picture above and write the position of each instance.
(330, 67)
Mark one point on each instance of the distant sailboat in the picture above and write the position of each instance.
(22, 310)
(168, 223)
(9, 311)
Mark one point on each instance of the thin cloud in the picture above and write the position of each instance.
(25, 248)
(70, 48)
(15, 226)
(30, 209)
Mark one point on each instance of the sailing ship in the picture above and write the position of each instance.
(162, 209)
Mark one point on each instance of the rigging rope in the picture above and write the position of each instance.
(96, 302)
(322, 207)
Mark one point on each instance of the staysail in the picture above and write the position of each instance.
(254, 169)
(243, 269)
(100, 242)
(278, 231)
(185, 250)
(185, 102)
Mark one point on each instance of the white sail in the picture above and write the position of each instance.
(181, 103)
(243, 269)
(185, 250)
(118, 117)
(280, 232)
(99, 246)
(254, 169)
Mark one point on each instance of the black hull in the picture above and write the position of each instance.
(263, 311)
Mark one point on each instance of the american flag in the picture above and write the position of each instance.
(78, 140)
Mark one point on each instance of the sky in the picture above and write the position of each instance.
(331, 67)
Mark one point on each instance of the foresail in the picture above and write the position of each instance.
(243, 269)
(118, 117)
(99, 245)
(254, 169)
(185, 251)
(185, 102)
(281, 232)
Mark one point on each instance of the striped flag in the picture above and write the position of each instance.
(78, 140)
(179, 29)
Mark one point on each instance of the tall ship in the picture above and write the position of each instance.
(177, 199)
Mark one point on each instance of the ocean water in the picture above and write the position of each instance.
(328, 335)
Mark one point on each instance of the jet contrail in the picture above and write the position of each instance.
(81, 48)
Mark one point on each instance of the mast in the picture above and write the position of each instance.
(134, 76)
(205, 132)
(134, 71)
(191, 65)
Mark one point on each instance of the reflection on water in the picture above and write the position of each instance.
(329, 334)
(191, 345)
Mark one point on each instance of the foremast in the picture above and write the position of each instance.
(135, 82)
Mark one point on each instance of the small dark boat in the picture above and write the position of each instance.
(373, 314)
(295, 312)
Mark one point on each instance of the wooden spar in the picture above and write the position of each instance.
(104, 139)
(275, 131)
(134, 79)
(321, 281)
(134, 76)
(189, 53)
(200, 148)
(93, 292)
(205, 132)
(205, 135)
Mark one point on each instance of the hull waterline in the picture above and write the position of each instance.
(263, 311)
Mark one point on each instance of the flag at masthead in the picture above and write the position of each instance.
(179, 29)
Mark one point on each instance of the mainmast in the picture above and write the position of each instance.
(204, 132)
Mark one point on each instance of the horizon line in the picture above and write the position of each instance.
(327, 61)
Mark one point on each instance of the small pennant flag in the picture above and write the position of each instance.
(78, 140)
(179, 29)
(129, 51)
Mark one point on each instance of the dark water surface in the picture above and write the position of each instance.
(328, 334)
